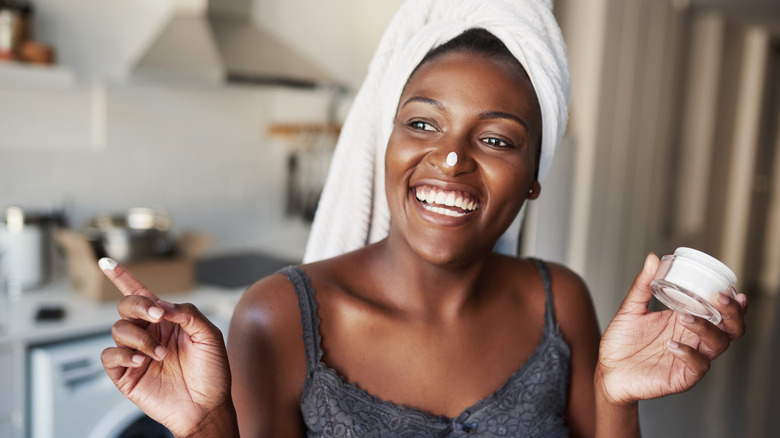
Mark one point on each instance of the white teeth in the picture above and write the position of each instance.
(444, 211)
(450, 200)
(430, 197)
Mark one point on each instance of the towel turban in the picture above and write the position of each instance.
(353, 210)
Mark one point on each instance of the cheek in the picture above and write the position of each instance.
(393, 159)
(508, 172)
(401, 156)
(398, 159)
(509, 181)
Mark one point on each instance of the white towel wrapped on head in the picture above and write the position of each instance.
(353, 210)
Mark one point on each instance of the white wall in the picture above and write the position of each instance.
(200, 153)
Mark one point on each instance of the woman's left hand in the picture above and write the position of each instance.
(646, 354)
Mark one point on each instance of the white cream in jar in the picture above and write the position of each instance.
(689, 282)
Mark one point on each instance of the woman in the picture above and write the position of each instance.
(427, 332)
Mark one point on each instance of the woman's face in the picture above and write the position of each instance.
(485, 110)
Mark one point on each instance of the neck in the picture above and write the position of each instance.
(429, 290)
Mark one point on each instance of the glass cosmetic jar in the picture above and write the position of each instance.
(689, 282)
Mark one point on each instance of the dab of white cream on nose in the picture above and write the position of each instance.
(452, 159)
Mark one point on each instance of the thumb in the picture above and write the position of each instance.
(639, 295)
(191, 320)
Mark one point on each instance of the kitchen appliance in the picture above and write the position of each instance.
(27, 248)
(72, 396)
(216, 41)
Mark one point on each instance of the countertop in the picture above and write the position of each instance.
(84, 317)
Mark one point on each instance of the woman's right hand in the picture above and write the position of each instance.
(169, 360)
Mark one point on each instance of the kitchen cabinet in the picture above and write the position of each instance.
(12, 400)
(6, 388)
(6, 384)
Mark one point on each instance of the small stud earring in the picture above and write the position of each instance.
(452, 159)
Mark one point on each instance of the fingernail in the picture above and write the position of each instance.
(156, 312)
(672, 344)
(161, 352)
(107, 264)
(137, 358)
(165, 305)
(686, 318)
(723, 298)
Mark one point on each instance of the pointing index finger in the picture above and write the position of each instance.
(123, 279)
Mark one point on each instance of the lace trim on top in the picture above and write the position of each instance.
(530, 403)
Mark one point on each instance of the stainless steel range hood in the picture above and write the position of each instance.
(216, 41)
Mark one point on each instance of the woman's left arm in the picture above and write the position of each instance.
(646, 354)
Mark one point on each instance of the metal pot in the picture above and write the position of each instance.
(141, 233)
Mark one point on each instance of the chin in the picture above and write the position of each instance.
(448, 255)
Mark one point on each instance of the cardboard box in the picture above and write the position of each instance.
(161, 276)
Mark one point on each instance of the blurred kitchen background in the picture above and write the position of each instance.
(220, 115)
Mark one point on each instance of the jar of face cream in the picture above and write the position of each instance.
(689, 282)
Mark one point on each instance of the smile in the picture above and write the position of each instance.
(448, 203)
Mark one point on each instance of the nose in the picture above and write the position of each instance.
(452, 157)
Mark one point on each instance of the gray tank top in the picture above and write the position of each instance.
(531, 403)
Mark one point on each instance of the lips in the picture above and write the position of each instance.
(446, 202)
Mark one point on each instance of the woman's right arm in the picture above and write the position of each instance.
(267, 360)
(169, 360)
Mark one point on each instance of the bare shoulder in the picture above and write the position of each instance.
(567, 284)
(269, 304)
(267, 320)
(573, 303)
(267, 359)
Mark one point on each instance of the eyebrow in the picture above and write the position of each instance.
(485, 115)
(426, 100)
(502, 115)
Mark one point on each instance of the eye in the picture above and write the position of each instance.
(496, 142)
(421, 126)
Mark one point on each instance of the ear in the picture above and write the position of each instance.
(535, 190)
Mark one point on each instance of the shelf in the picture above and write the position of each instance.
(293, 130)
(15, 73)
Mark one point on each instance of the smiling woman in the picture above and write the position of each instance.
(481, 106)
(426, 331)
